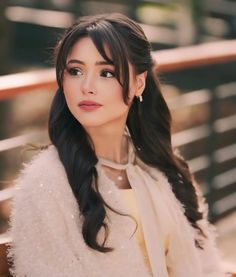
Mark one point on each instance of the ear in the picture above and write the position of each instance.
(140, 83)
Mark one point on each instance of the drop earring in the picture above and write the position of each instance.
(140, 98)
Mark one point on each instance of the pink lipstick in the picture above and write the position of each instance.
(89, 105)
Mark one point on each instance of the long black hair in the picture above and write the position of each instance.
(149, 122)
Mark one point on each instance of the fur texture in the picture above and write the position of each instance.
(46, 227)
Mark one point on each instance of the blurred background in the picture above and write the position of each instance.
(194, 44)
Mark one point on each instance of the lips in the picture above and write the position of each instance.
(89, 105)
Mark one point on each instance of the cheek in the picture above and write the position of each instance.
(114, 96)
(70, 87)
(113, 99)
(108, 93)
(71, 92)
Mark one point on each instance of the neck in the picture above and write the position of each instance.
(110, 142)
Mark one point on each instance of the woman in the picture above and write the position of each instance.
(109, 197)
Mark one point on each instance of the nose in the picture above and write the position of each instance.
(87, 85)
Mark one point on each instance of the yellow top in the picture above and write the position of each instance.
(133, 208)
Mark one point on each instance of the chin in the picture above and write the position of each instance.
(99, 123)
(96, 120)
(91, 123)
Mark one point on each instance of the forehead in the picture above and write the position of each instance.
(86, 48)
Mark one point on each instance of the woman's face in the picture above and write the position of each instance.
(93, 94)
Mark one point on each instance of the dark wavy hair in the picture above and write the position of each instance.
(149, 122)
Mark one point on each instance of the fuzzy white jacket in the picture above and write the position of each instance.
(46, 227)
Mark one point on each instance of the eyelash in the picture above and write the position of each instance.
(74, 71)
(112, 73)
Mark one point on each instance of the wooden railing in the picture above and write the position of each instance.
(166, 61)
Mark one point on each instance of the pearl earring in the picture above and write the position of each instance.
(140, 98)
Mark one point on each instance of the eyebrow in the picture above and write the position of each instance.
(75, 61)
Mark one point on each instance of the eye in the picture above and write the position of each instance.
(108, 73)
(74, 71)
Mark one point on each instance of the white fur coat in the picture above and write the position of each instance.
(46, 227)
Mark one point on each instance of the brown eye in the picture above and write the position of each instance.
(74, 71)
(107, 73)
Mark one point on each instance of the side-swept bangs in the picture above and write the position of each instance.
(104, 36)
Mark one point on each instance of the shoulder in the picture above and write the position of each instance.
(40, 175)
(42, 162)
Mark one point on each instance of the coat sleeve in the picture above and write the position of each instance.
(38, 230)
(210, 255)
